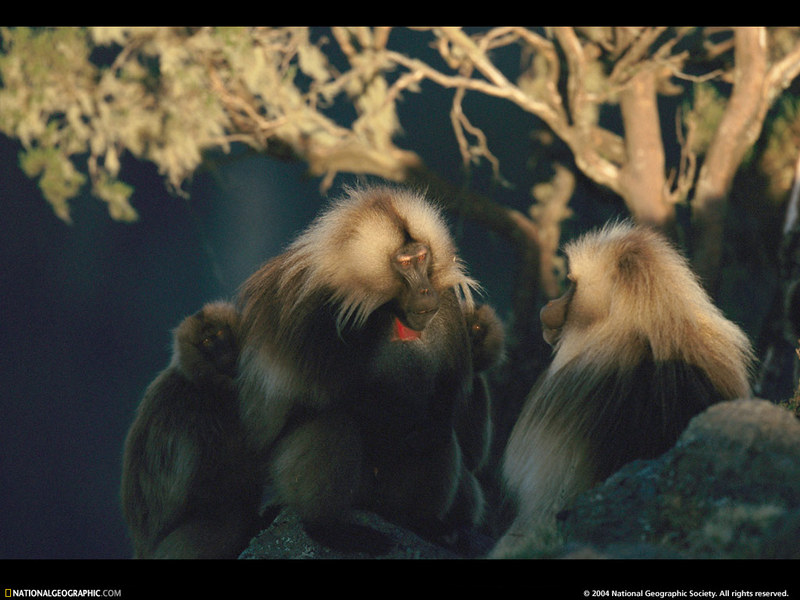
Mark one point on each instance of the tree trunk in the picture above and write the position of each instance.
(642, 179)
(737, 132)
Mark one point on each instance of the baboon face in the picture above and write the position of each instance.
(418, 300)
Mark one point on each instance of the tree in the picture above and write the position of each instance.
(78, 98)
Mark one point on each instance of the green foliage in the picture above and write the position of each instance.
(65, 109)
(80, 98)
(43, 102)
(58, 179)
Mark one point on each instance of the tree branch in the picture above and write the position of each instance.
(643, 180)
(580, 136)
(739, 128)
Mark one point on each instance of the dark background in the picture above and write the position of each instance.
(86, 309)
(85, 317)
(86, 312)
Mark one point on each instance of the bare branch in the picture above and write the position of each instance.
(782, 73)
(682, 182)
(635, 53)
(471, 153)
(548, 213)
(463, 48)
(579, 136)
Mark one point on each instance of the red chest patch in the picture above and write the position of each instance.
(403, 333)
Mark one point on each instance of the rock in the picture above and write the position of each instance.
(730, 488)
(286, 538)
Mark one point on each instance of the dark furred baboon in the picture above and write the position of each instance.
(474, 419)
(639, 350)
(355, 359)
(189, 488)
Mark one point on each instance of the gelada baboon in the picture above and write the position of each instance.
(355, 361)
(639, 349)
(189, 488)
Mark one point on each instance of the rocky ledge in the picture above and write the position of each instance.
(730, 488)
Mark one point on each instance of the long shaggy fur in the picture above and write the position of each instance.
(339, 264)
(642, 351)
(340, 413)
(188, 486)
(346, 248)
